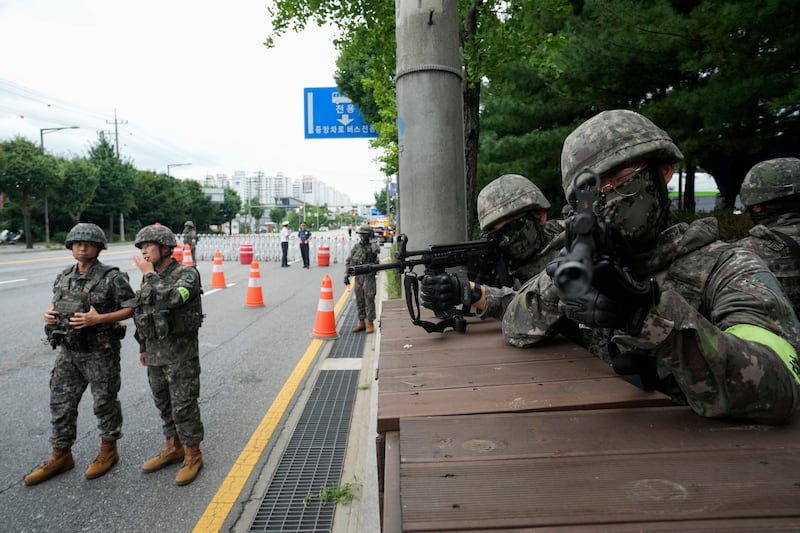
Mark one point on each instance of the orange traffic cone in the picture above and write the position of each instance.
(217, 275)
(325, 325)
(177, 253)
(254, 296)
(188, 260)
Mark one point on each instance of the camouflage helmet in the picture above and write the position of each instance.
(188, 223)
(85, 231)
(770, 180)
(155, 233)
(365, 229)
(508, 195)
(609, 140)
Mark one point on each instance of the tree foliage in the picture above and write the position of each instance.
(25, 177)
(78, 187)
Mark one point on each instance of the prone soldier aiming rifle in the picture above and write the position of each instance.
(481, 262)
(595, 257)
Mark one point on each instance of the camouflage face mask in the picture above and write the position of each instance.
(518, 239)
(638, 207)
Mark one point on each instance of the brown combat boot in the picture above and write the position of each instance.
(371, 326)
(58, 463)
(171, 454)
(359, 327)
(107, 458)
(192, 464)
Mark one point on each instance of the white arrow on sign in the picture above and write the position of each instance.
(345, 120)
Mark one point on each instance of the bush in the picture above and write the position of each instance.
(731, 227)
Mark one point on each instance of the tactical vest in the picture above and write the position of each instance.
(154, 320)
(69, 300)
(787, 268)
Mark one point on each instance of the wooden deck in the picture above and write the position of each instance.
(475, 435)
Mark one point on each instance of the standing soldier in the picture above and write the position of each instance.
(89, 301)
(771, 194)
(168, 317)
(190, 238)
(364, 252)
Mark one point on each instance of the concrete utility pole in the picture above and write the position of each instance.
(432, 177)
(116, 129)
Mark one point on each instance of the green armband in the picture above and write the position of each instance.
(763, 336)
(184, 292)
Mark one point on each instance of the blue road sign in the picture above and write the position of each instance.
(331, 115)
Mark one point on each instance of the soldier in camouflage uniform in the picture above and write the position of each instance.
(513, 211)
(168, 317)
(718, 333)
(364, 252)
(89, 301)
(190, 238)
(771, 194)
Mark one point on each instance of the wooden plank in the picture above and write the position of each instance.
(391, 521)
(575, 433)
(597, 393)
(654, 469)
(427, 378)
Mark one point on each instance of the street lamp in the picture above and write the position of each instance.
(42, 133)
(176, 165)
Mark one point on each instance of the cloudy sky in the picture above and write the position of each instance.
(190, 81)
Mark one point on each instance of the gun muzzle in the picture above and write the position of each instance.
(573, 277)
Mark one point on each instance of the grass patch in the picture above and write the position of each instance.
(365, 386)
(344, 494)
(393, 287)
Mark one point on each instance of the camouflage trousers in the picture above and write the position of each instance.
(71, 374)
(176, 389)
(365, 288)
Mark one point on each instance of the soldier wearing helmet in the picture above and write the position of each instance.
(190, 238)
(168, 317)
(512, 210)
(364, 286)
(709, 324)
(89, 300)
(771, 194)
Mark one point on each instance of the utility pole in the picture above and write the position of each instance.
(432, 179)
(116, 129)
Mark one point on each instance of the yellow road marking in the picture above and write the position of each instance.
(67, 256)
(228, 493)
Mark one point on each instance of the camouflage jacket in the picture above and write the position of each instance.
(550, 242)
(103, 287)
(363, 254)
(169, 314)
(778, 255)
(708, 287)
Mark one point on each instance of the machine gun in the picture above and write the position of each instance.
(596, 254)
(481, 259)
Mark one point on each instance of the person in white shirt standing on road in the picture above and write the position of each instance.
(285, 244)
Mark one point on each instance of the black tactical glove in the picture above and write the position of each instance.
(593, 309)
(347, 279)
(637, 297)
(445, 291)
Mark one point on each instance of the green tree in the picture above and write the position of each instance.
(78, 188)
(115, 189)
(230, 206)
(25, 177)
(491, 32)
(277, 215)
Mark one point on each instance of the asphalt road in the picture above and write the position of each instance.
(246, 353)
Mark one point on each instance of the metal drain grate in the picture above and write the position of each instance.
(313, 459)
(348, 344)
